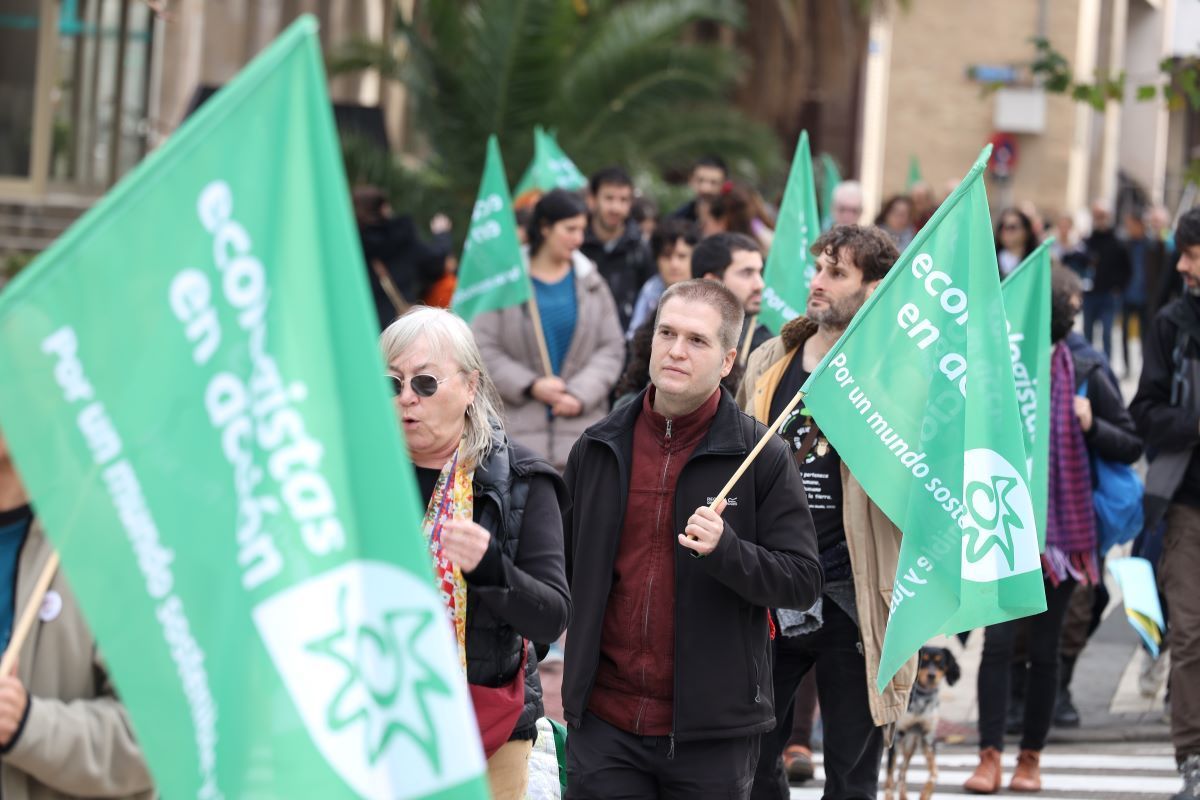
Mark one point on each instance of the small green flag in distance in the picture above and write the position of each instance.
(1026, 293)
(207, 437)
(491, 274)
(914, 173)
(551, 167)
(790, 265)
(918, 398)
(830, 178)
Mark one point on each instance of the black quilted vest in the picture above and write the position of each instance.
(501, 490)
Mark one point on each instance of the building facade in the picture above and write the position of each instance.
(89, 87)
(930, 93)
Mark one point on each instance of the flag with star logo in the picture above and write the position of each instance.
(918, 398)
(208, 439)
(790, 266)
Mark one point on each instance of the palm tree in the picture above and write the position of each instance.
(618, 81)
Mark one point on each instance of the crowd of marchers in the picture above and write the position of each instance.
(572, 512)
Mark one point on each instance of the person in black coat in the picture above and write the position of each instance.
(667, 682)
(400, 267)
(1109, 273)
(613, 240)
(494, 523)
(1167, 410)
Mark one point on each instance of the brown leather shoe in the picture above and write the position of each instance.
(1028, 775)
(987, 778)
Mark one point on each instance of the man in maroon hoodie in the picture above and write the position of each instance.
(667, 679)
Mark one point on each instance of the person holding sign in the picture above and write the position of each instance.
(493, 522)
(551, 396)
(858, 546)
(63, 733)
(667, 685)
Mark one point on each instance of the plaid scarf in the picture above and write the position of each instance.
(453, 498)
(1070, 516)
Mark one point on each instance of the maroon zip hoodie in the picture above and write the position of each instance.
(635, 678)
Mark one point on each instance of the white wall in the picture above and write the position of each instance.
(1186, 38)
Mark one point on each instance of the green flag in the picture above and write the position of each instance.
(551, 168)
(195, 399)
(492, 273)
(914, 173)
(790, 265)
(1026, 293)
(830, 178)
(918, 398)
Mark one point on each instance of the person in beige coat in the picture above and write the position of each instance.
(547, 413)
(63, 732)
(841, 637)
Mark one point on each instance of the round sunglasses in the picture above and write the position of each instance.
(422, 385)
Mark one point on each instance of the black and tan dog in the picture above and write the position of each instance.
(920, 722)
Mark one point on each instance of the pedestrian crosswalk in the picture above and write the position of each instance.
(1074, 772)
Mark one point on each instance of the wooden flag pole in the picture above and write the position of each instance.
(25, 624)
(749, 338)
(757, 449)
(540, 335)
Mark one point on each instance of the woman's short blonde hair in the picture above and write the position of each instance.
(448, 337)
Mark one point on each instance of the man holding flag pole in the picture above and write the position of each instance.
(858, 545)
(667, 684)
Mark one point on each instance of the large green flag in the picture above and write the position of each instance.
(551, 167)
(830, 178)
(195, 399)
(790, 265)
(492, 273)
(1026, 293)
(918, 398)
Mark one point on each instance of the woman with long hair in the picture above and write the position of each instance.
(1015, 240)
(897, 219)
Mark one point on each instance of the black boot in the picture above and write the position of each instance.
(1065, 713)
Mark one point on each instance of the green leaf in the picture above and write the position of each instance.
(1147, 92)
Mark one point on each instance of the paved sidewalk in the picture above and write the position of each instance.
(1105, 690)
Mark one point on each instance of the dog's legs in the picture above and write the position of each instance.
(930, 747)
(891, 765)
(906, 754)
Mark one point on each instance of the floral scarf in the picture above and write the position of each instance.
(453, 498)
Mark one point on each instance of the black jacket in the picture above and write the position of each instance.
(1165, 407)
(412, 265)
(625, 266)
(767, 557)
(1113, 435)
(519, 590)
(1109, 259)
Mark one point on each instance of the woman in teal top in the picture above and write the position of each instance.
(584, 341)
